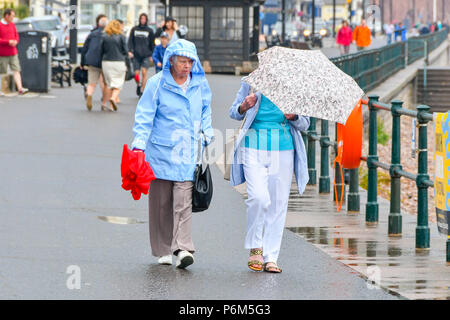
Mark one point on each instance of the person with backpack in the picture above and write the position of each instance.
(140, 47)
(92, 60)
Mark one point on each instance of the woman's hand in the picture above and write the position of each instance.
(290, 116)
(248, 103)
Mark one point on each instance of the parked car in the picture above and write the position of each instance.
(50, 24)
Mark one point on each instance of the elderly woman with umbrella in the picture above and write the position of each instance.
(269, 152)
(290, 85)
(173, 111)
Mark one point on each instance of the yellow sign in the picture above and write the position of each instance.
(442, 170)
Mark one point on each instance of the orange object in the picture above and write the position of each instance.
(362, 36)
(349, 146)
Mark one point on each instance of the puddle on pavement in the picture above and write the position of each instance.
(119, 220)
(420, 275)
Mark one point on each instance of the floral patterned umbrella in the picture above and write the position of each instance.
(305, 82)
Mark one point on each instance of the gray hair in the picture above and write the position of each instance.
(103, 22)
(175, 58)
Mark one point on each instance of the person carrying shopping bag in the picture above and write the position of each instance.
(172, 115)
(265, 157)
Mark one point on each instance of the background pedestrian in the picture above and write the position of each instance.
(158, 54)
(170, 26)
(344, 38)
(9, 38)
(362, 36)
(91, 58)
(389, 30)
(113, 52)
(140, 46)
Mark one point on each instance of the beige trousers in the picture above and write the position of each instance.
(170, 217)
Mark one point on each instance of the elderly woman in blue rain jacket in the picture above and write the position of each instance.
(268, 150)
(170, 117)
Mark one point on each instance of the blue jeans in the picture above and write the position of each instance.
(389, 38)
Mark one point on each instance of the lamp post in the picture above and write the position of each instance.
(349, 2)
(283, 18)
(73, 23)
(334, 18)
(434, 10)
(313, 18)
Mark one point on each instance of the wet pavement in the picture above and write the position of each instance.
(331, 49)
(390, 262)
(65, 220)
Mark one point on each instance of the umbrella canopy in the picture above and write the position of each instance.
(305, 82)
(136, 172)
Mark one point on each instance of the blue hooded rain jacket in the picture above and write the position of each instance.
(169, 122)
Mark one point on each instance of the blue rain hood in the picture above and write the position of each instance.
(183, 48)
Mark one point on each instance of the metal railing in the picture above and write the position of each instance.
(394, 169)
(418, 47)
(369, 68)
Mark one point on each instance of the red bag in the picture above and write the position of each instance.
(136, 172)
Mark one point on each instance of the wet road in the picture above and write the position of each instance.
(331, 49)
(63, 215)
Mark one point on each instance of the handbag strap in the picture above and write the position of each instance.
(199, 151)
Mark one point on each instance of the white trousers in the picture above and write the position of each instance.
(269, 176)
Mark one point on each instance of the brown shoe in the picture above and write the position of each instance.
(106, 108)
(113, 104)
(89, 102)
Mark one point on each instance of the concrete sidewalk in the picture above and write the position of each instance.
(61, 178)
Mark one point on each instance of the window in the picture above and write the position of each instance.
(226, 23)
(87, 14)
(192, 18)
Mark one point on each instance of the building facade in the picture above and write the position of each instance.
(226, 33)
(415, 11)
(126, 10)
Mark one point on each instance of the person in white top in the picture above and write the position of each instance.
(389, 29)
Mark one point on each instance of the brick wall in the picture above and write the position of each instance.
(402, 9)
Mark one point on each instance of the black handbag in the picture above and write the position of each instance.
(203, 187)
(80, 75)
(129, 74)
